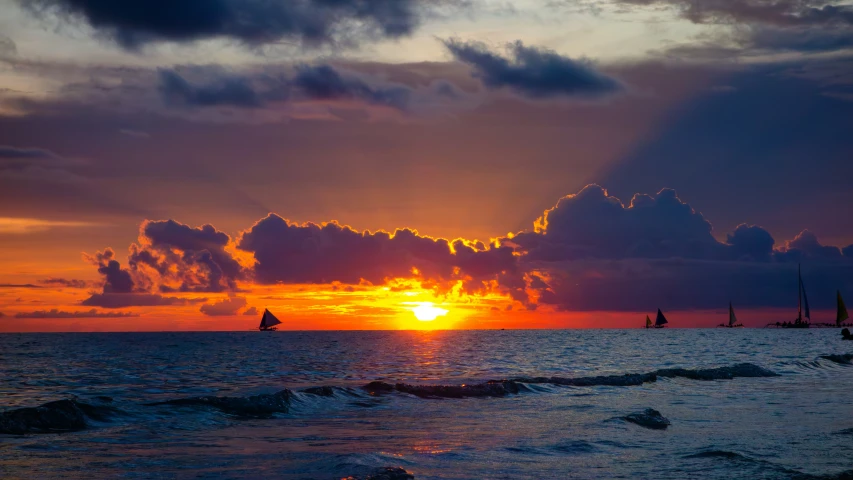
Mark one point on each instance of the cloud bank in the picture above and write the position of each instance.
(588, 252)
(308, 23)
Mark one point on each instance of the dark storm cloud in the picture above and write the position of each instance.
(134, 23)
(533, 72)
(225, 307)
(287, 252)
(56, 313)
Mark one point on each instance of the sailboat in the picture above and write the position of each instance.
(732, 319)
(841, 314)
(660, 321)
(802, 307)
(268, 322)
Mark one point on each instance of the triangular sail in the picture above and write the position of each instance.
(806, 303)
(732, 317)
(842, 310)
(648, 321)
(269, 320)
(660, 320)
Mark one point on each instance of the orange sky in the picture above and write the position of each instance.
(331, 307)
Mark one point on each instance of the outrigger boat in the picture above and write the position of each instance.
(732, 319)
(802, 301)
(660, 321)
(268, 322)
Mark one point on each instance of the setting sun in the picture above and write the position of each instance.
(427, 311)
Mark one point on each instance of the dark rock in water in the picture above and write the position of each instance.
(254, 406)
(722, 373)
(488, 389)
(320, 391)
(605, 380)
(845, 359)
(387, 473)
(59, 416)
(649, 418)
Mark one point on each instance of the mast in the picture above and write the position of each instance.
(799, 294)
(732, 318)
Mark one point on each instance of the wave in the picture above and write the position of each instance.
(477, 390)
(53, 417)
(845, 359)
(719, 454)
(626, 380)
(258, 406)
(385, 473)
(744, 370)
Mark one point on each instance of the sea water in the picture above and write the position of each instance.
(798, 424)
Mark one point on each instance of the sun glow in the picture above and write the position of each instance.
(427, 311)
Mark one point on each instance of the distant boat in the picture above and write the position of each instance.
(268, 322)
(660, 321)
(841, 315)
(732, 319)
(802, 307)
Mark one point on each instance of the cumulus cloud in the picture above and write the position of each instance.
(56, 313)
(590, 251)
(116, 279)
(134, 23)
(592, 224)
(806, 245)
(311, 253)
(171, 256)
(251, 311)
(225, 307)
(533, 72)
(159, 263)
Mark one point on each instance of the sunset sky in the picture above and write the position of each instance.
(184, 164)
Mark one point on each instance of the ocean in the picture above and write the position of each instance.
(751, 403)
